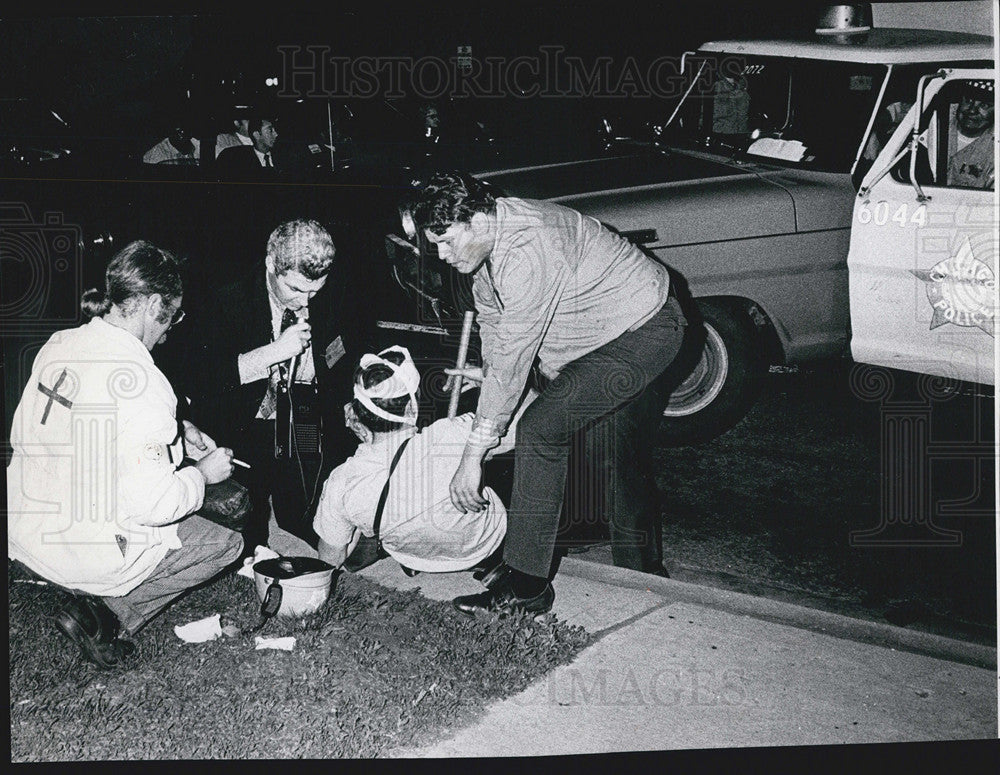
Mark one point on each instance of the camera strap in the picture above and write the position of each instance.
(377, 525)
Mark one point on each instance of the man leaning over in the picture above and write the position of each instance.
(601, 319)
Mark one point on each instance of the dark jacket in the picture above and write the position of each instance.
(237, 320)
(241, 163)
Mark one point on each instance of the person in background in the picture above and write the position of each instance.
(971, 164)
(179, 147)
(238, 137)
(124, 538)
(251, 161)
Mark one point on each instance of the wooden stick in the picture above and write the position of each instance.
(463, 351)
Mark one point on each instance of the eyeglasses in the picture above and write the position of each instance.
(178, 316)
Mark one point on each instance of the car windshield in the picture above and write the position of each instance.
(802, 112)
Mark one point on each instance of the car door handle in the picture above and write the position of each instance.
(640, 236)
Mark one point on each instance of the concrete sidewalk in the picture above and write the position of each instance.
(678, 666)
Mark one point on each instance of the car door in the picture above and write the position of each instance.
(922, 265)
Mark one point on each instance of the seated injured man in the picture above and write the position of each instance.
(418, 525)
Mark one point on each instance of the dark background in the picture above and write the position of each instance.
(775, 501)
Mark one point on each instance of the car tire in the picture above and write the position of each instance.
(724, 384)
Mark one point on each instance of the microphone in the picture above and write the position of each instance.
(294, 361)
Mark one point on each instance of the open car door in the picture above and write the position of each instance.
(922, 265)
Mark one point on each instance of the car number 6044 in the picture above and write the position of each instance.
(879, 214)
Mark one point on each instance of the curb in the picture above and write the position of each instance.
(837, 625)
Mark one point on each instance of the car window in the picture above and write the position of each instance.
(957, 139)
(807, 113)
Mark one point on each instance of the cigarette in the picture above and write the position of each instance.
(239, 462)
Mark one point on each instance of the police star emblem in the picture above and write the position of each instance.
(961, 290)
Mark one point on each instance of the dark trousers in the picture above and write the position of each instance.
(608, 394)
(290, 486)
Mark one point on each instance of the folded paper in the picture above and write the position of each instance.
(283, 644)
(200, 631)
(260, 553)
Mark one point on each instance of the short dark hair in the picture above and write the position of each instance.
(451, 197)
(138, 269)
(374, 375)
(256, 124)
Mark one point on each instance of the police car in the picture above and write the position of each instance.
(801, 186)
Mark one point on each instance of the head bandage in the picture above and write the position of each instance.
(404, 381)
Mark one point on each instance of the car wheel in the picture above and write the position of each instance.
(724, 384)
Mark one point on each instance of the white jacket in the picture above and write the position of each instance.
(93, 492)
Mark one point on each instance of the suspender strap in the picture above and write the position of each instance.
(385, 490)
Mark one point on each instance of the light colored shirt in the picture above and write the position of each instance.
(93, 487)
(230, 140)
(972, 165)
(165, 153)
(421, 528)
(557, 285)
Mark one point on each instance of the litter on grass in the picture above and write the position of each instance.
(283, 644)
(259, 553)
(200, 631)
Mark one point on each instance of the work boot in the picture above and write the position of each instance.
(93, 627)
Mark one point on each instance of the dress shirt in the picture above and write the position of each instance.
(557, 285)
(421, 528)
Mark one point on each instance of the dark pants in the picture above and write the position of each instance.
(291, 486)
(608, 395)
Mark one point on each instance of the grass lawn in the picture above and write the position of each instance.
(372, 670)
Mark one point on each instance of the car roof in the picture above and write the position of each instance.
(884, 45)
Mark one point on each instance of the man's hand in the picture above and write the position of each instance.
(473, 373)
(464, 487)
(217, 465)
(358, 428)
(196, 443)
(335, 555)
(293, 341)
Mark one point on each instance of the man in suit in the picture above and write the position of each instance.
(283, 322)
(250, 161)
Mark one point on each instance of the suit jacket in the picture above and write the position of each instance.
(241, 163)
(238, 319)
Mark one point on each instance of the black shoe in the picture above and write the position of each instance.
(501, 598)
(94, 628)
(409, 571)
(491, 576)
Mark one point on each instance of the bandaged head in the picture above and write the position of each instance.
(404, 381)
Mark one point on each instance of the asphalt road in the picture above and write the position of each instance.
(864, 493)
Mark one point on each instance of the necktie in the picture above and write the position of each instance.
(267, 160)
(288, 318)
(282, 400)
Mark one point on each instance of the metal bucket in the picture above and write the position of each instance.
(294, 586)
